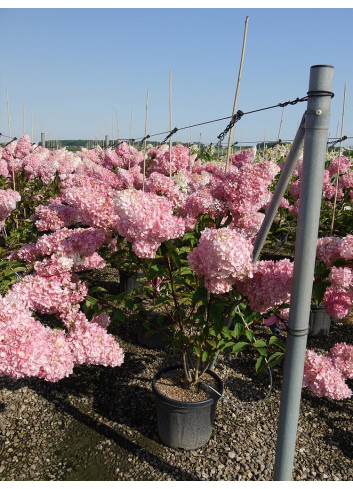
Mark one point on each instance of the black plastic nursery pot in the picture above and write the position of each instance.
(186, 425)
(319, 322)
(157, 339)
(128, 281)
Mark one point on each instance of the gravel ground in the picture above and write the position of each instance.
(100, 424)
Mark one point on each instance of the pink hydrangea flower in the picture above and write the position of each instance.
(323, 379)
(8, 202)
(165, 186)
(270, 284)
(222, 256)
(337, 302)
(341, 356)
(146, 220)
(180, 160)
(328, 249)
(27, 348)
(54, 216)
(246, 156)
(345, 164)
(90, 343)
(341, 277)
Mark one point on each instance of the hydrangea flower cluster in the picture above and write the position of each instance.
(90, 343)
(160, 184)
(322, 376)
(244, 189)
(52, 217)
(50, 290)
(223, 256)
(180, 160)
(27, 348)
(146, 220)
(270, 284)
(8, 202)
(338, 298)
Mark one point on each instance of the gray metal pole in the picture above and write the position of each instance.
(291, 161)
(316, 130)
(43, 139)
(106, 140)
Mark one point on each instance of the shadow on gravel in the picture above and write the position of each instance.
(129, 406)
(133, 447)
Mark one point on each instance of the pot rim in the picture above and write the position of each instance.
(213, 398)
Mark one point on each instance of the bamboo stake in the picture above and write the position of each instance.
(117, 124)
(338, 125)
(339, 159)
(237, 91)
(170, 123)
(8, 113)
(113, 127)
(132, 111)
(264, 148)
(9, 123)
(24, 119)
(280, 125)
(144, 147)
(32, 140)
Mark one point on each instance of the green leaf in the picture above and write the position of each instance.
(238, 330)
(250, 335)
(216, 312)
(275, 358)
(259, 344)
(97, 289)
(200, 294)
(161, 299)
(260, 364)
(275, 341)
(118, 316)
(204, 356)
(197, 350)
(262, 351)
(319, 292)
(239, 346)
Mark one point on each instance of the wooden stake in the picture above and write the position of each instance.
(237, 91)
(8, 113)
(132, 111)
(113, 128)
(9, 123)
(117, 125)
(24, 119)
(339, 159)
(338, 125)
(170, 123)
(280, 125)
(144, 147)
(32, 140)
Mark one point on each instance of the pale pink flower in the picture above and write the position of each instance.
(146, 220)
(322, 378)
(341, 356)
(222, 256)
(269, 285)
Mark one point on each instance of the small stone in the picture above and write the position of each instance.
(231, 455)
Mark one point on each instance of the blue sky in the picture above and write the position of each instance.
(73, 68)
